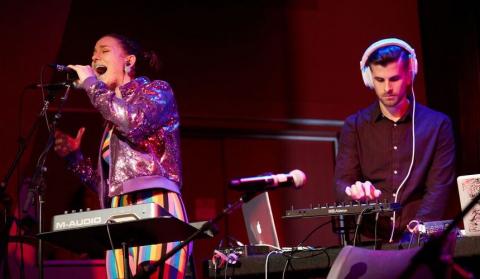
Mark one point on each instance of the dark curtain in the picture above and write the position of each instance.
(451, 40)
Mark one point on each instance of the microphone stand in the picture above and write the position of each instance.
(37, 185)
(4, 198)
(430, 253)
(148, 269)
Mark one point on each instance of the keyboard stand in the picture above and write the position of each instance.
(95, 239)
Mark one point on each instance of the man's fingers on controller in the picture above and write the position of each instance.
(359, 188)
(348, 191)
(368, 188)
(357, 193)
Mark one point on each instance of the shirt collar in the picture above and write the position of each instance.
(377, 115)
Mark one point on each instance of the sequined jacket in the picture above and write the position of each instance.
(144, 145)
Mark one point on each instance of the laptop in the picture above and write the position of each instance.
(468, 188)
(259, 222)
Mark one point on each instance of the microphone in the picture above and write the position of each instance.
(71, 73)
(295, 178)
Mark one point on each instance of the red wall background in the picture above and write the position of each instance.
(243, 74)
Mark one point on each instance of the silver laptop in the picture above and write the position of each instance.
(468, 188)
(258, 217)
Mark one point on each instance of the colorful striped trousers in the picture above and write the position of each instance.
(176, 265)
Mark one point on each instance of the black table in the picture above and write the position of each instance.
(317, 263)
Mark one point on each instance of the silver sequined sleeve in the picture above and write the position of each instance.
(83, 169)
(136, 116)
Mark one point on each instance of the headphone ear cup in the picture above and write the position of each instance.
(367, 77)
(413, 67)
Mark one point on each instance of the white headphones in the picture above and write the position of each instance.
(366, 71)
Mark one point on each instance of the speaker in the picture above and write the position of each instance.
(367, 73)
(354, 262)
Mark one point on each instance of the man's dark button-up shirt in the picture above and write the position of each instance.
(374, 148)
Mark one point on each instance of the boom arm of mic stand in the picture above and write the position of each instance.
(148, 269)
(37, 180)
(22, 146)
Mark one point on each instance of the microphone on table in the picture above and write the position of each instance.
(295, 178)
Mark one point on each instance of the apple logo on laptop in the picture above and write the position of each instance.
(259, 227)
(259, 235)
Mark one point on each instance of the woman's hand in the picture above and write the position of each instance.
(65, 144)
(83, 72)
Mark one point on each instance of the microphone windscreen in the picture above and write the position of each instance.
(299, 178)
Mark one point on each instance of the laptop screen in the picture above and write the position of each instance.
(468, 188)
(258, 217)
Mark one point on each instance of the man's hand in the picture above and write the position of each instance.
(363, 191)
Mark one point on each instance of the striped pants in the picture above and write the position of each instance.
(176, 265)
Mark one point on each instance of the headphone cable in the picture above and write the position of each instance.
(376, 227)
(411, 163)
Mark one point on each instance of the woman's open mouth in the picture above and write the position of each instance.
(100, 69)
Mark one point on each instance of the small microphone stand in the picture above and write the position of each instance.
(149, 269)
(37, 185)
(430, 253)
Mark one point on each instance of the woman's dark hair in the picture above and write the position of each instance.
(389, 54)
(147, 62)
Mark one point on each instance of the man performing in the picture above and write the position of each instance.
(395, 149)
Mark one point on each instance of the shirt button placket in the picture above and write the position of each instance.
(395, 154)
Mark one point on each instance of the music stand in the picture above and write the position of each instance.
(95, 239)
